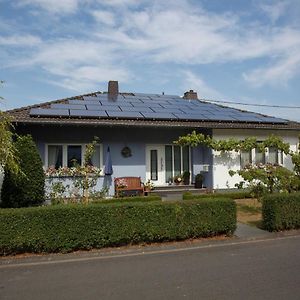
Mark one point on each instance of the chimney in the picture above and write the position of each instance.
(113, 88)
(190, 95)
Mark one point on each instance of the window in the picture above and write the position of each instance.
(74, 156)
(177, 161)
(260, 156)
(67, 155)
(246, 158)
(273, 155)
(55, 156)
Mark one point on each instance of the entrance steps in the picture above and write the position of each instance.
(175, 192)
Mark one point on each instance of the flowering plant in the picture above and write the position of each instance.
(149, 185)
(121, 183)
(178, 179)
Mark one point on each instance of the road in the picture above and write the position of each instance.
(261, 269)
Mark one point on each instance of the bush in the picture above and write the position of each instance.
(64, 228)
(281, 211)
(27, 188)
(128, 199)
(236, 195)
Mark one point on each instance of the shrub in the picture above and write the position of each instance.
(281, 211)
(236, 195)
(25, 188)
(128, 199)
(64, 228)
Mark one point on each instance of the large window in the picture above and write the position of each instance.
(177, 160)
(246, 158)
(71, 155)
(55, 156)
(260, 156)
(256, 156)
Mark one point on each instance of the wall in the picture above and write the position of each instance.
(117, 138)
(222, 163)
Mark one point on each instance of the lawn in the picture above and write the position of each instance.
(249, 211)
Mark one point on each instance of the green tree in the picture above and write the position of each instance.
(25, 188)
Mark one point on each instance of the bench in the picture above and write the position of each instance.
(128, 186)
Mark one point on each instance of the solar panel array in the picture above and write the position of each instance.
(149, 106)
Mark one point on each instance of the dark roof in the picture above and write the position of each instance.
(129, 109)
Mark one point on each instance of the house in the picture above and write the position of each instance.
(140, 129)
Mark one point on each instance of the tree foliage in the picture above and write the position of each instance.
(261, 178)
(25, 188)
(8, 151)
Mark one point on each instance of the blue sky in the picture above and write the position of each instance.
(237, 50)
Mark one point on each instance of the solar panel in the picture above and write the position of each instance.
(150, 106)
(188, 117)
(87, 113)
(90, 98)
(102, 107)
(159, 116)
(83, 102)
(68, 106)
(136, 104)
(49, 112)
(123, 103)
(124, 114)
(167, 110)
(138, 109)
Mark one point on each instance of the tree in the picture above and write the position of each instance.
(8, 153)
(25, 188)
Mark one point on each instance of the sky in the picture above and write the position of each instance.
(235, 50)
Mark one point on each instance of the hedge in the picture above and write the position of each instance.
(231, 195)
(127, 199)
(281, 211)
(65, 228)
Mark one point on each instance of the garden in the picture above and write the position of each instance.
(87, 219)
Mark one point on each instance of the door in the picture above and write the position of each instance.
(155, 164)
(163, 162)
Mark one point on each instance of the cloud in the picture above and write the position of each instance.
(193, 81)
(104, 17)
(275, 10)
(276, 74)
(53, 6)
(20, 40)
(179, 33)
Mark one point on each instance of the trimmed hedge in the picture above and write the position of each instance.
(127, 199)
(65, 228)
(235, 195)
(281, 212)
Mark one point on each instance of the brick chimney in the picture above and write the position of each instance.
(190, 95)
(113, 88)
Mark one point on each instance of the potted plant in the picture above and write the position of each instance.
(148, 186)
(178, 179)
(186, 177)
(198, 181)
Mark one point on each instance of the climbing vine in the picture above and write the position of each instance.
(260, 178)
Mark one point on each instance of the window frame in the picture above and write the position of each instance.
(65, 153)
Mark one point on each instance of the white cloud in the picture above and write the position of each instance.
(20, 40)
(275, 10)
(160, 32)
(53, 6)
(195, 82)
(104, 17)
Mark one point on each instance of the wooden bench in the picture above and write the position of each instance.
(128, 186)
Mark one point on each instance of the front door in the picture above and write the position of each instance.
(155, 164)
(163, 162)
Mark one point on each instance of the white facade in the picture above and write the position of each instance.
(224, 162)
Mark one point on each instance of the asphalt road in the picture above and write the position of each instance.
(265, 269)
